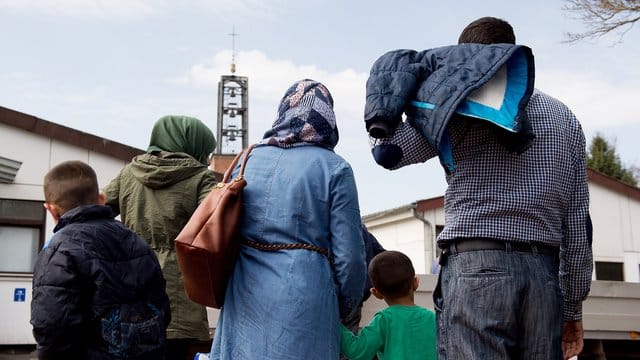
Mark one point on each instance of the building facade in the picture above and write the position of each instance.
(29, 147)
(615, 213)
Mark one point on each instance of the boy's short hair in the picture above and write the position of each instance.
(487, 30)
(71, 184)
(392, 274)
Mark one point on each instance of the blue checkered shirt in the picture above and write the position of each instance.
(538, 196)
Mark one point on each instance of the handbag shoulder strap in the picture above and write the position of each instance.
(227, 174)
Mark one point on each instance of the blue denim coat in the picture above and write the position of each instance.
(287, 304)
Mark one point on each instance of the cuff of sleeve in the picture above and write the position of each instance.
(572, 310)
(387, 155)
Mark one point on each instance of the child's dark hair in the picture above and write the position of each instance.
(71, 184)
(392, 274)
(488, 30)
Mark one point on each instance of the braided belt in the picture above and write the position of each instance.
(276, 247)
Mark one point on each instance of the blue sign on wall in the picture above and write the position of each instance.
(19, 294)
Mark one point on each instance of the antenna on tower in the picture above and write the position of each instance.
(233, 51)
(233, 114)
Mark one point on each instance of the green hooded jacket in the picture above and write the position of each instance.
(156, 194)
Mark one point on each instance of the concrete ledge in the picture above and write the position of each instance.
(612, 310)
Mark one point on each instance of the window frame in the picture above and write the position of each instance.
(37, 222)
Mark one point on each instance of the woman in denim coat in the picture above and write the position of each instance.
(301, 267)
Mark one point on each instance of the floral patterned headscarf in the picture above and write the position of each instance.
(305, 117)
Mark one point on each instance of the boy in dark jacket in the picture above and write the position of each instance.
(98, 291)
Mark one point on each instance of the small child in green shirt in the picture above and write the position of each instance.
(401, 331)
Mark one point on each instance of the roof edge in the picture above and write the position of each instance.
(66, 134)
(383, 213)
(614, 184)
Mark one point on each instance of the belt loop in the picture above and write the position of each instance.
(507, 246)
(453, 247)
(534, 248)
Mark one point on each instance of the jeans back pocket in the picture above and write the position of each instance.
(132, 330)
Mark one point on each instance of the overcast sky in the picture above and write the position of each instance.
(113, 67)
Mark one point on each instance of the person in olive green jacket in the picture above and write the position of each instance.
(155, 194)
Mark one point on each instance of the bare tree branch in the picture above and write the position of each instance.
(602, 17)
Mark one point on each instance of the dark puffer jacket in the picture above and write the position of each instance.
(431, 85)
(98, 291)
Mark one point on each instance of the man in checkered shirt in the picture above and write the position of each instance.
(517, 260)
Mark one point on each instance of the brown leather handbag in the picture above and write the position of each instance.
(208, 245)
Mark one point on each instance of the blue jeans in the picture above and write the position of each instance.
(497, 304)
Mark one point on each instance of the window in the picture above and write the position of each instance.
(609, 271)
(19, 248)
(21, 234)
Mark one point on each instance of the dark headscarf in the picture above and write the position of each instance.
(174, 133)
(305, 117)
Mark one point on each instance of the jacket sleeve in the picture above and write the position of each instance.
(392, 82)
(207, 182)
(112, 194)
(56, 306)
(347, 245)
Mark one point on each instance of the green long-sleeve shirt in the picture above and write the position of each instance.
(397, 332)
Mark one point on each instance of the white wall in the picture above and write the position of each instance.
(34, 153)
(38, 154)
(403, 232)
(431, 218)
(632, 267)
(616, 229)
(15, 328)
